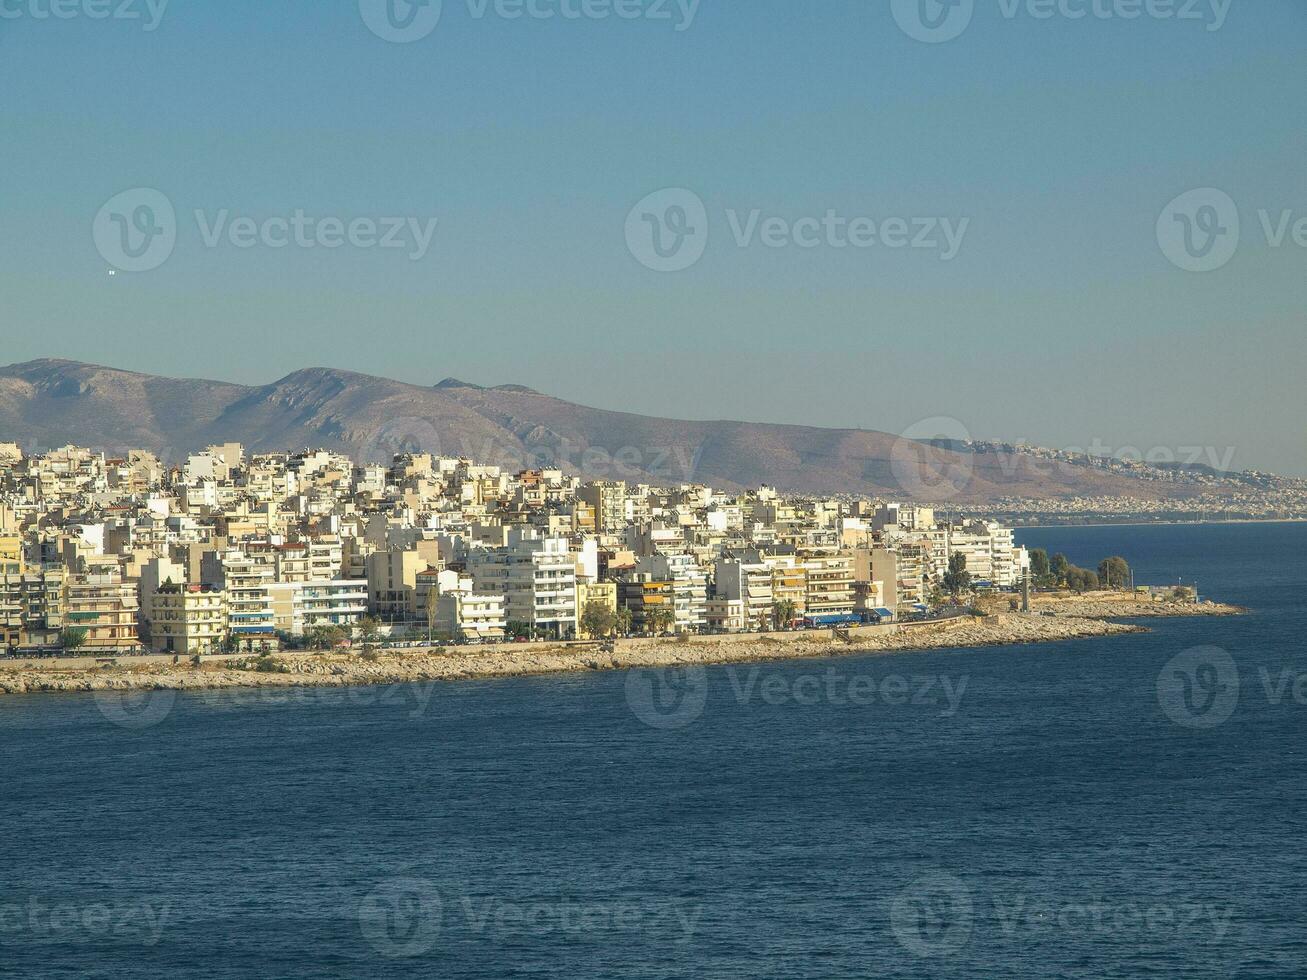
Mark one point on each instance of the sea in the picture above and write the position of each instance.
(1129, 806)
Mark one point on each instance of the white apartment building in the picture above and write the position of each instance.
(247, 580)
(535, 575)
(471, 615)
(988, 547)
(749, 583)
(303, 606)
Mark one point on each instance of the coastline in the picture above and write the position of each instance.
(1068, 622)
(1016, 526)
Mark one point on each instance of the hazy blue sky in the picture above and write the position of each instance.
(1060, 320)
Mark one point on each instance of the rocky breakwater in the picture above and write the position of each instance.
(1124, 605)
(455, 663)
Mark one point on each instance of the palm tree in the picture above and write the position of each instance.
(784, 610)
(659, 619)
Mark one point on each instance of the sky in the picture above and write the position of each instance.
(996, 219)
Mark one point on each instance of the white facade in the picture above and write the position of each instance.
(535, 575)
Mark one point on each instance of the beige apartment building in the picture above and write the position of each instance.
(828, 583)
(104, 606)
(603, 593)
(189, 620)
(11, 601)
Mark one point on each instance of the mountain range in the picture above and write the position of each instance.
(50, 403)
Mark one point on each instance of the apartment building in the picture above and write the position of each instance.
(537, 577)
(789, 582)
(689, 588)
(44, 590)
(393, 584)
(296, 541)
(828, 585)
(314, 560)
(750, 583)
(247, 580)
(12, 619)
(300, 607)
(650, 601)
(189, 620)
(608, 501)
(726, 615)
(471, 616)
(106, 607)
(603, 594)
(989, 551)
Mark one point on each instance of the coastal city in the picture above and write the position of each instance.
(234, 552)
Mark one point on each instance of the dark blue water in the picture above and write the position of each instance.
(1019, 812)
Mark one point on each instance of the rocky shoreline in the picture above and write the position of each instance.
(1051, 622)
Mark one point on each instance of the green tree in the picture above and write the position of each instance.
(72, 638)
(1040, 569)
(598, 620)
(624, 618)
(1081, 579)
(783, 613)
(1114, 572)
(433, 611)
(324, 637)
(659, 619)
(957, 579)
(1058, 568)
(368, 629)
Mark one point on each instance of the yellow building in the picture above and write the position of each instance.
(189, 620)
(603, 593)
